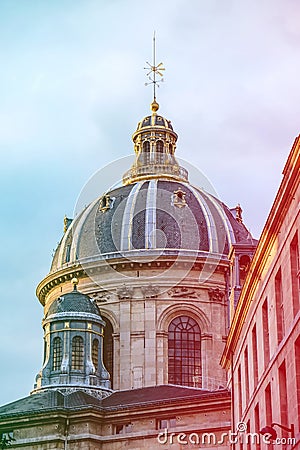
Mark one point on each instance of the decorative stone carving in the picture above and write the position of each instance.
(125, 292)
(183, 291)
(100, 297)
(106, 202)
(150, 291)
(178, 198)
(216, 294)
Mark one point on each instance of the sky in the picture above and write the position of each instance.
(72, 89)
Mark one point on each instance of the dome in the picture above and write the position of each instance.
(154, 121)
(72, 302)
(156, 212)
(151, 216)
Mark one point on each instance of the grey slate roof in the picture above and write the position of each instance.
(205, 225)
(53, 400)
(73, 302)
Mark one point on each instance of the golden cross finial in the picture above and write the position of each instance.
(152, 73)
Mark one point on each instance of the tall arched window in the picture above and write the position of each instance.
(57, 353)
(108, 349)
(95, 353)
(77, 353)
(184, 352)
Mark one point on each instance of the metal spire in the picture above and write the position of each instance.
(152, 74)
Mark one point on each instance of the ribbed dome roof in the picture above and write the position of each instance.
(154, 121)
(150, 216)
(73, 302)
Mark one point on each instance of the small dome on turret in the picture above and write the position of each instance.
(153, 120)
(71, 302)
(73, 352)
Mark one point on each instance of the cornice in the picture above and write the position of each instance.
(54, 279)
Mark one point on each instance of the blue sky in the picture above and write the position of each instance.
(72, 91)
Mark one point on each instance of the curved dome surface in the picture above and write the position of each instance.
(73, 302)
(150, 215)
(154, 121)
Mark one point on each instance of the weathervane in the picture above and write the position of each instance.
(153, 72)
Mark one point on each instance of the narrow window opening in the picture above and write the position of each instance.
(246, 374)
(57, 353)
(268, 405)
(159, 152)
(297, 371)
(279, 306)
(254, 353)
(266, 342)
(77, 353)
(295, 273)
(283, 395)
(108, 349)
(95, 353)
(146, 152)
(240, 392)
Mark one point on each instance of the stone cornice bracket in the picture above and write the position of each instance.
(183, 292)
(150, 291)
(100, 297)
(125, 292)
(216, 294)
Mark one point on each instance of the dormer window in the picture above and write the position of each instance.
(178, 198)
(106, 202)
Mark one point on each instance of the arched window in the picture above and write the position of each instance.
(244, 267)
(159, 146)
(184, 352)
(146, 152)
(57, 353)
(77, 353)
(108, 349)
(159, 152)
(95, 353)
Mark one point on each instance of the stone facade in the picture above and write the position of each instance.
(263, 347)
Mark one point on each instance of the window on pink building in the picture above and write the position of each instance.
(254, 354)
(295, 273)
(268, 405)
(265, 324)
(248, 440)
(257, 424)
(297, 369)
(246, 374)
(279, 306)
(283, 394)
(240, 400)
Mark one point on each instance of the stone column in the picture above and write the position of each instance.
(150, 342)
(125, 344)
